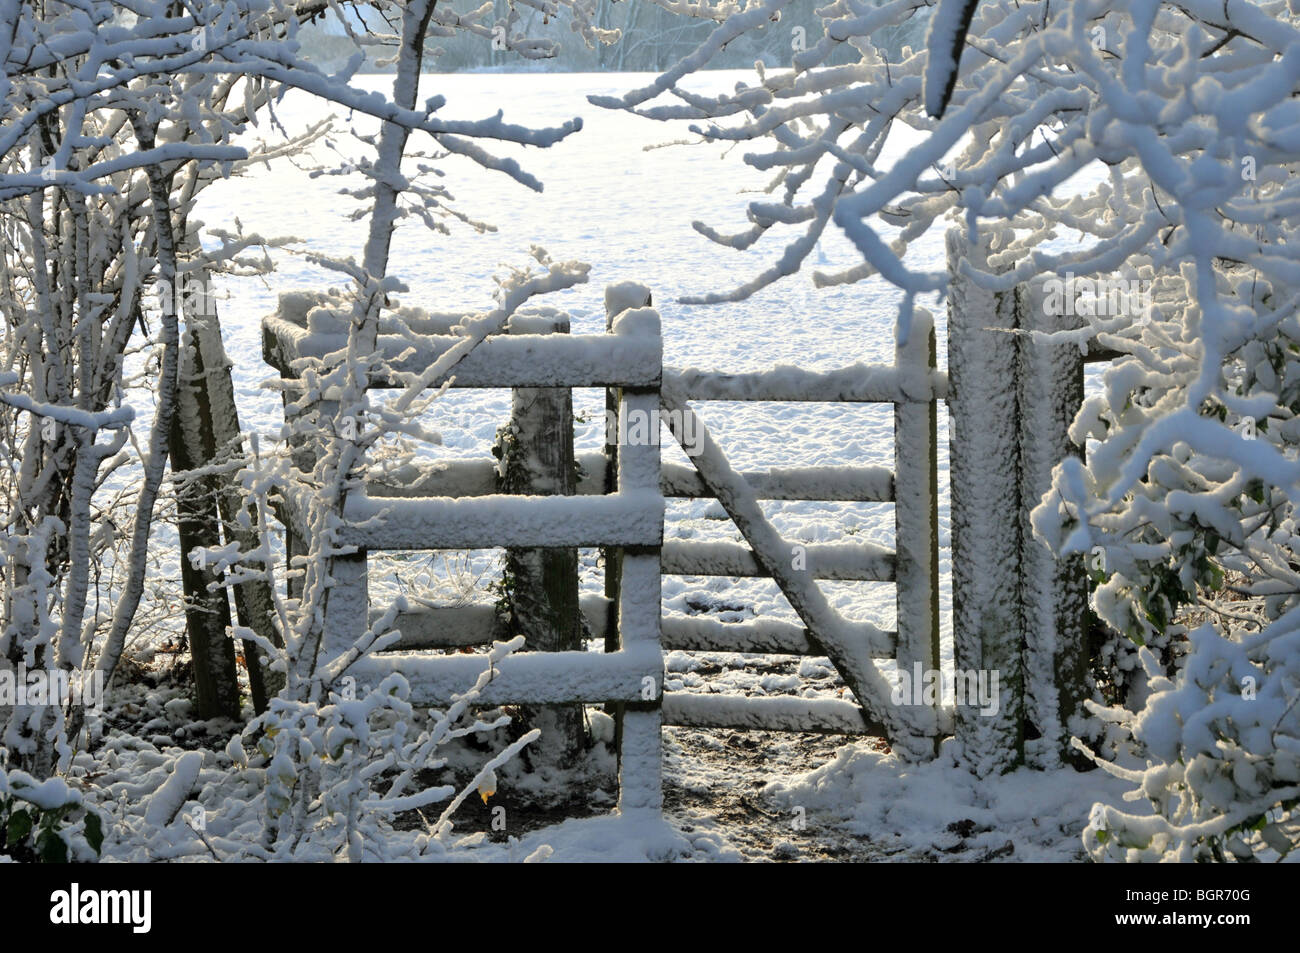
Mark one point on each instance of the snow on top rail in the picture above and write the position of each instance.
(630, 518)
(857, 383)
(292, 339)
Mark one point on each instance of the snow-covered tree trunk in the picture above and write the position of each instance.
(388, 182)
(156, 464)
(988, 627)
(207, 605)
(1054, 590)
(537, 459)
(253, 602)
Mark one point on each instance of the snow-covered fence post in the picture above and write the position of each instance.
(916, 488)
(988, 625)
(1054, 592)
(347, 602)
(537, 459)
(638, 590)
(636, 296)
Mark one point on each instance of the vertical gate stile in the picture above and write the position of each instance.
(639, 608)
(612, 556)
(916, 495)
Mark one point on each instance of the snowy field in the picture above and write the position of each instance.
(627, 212)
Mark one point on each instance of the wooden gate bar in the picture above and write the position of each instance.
(916, 529)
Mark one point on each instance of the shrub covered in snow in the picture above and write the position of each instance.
(1222, 744)
(322, 765)
(97, 183)
(46, 821)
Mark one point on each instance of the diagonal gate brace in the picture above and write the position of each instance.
(909, 728)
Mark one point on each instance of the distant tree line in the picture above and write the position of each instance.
(651, 39)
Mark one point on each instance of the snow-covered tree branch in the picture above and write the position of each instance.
(1180, 112)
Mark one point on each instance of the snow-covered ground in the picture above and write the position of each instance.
(628, 212)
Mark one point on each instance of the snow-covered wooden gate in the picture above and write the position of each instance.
(913, 385)
(458, 507)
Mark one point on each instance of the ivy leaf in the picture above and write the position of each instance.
(94, 831)
(20, 825)
(51, 848)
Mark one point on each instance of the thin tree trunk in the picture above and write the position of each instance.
(207, 606)
(537, 457)
(223, 440)
(169, 338)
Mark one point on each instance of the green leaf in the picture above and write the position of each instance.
(1103, 836)
(51, 848)
(94, 831)
(20, 825)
